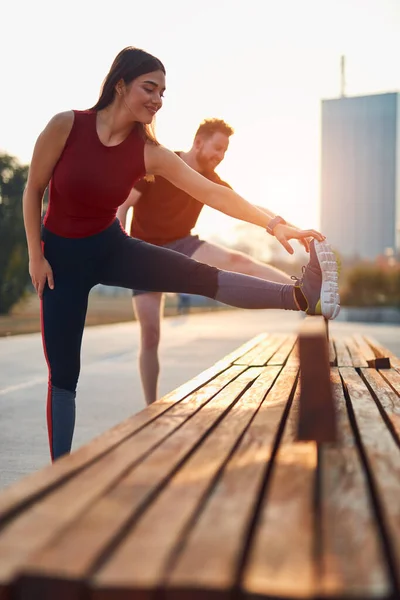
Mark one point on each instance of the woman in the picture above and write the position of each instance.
(91, 159)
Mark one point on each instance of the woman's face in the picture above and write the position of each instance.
(143, 96)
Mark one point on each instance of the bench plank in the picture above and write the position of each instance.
(343, 358)
(210, 558)
(280, 563)
(150, 547)
(128, 496)
(44, 522)
(357, 356)
(281, 356)
(248, 358)
(294, 357)
(332, 353)
(382, 457)
(348, 527)
(392, 376)
(382, 385)
(243, 349)
(317, 420)
(275, 343)
(232, 504)
(365, 348)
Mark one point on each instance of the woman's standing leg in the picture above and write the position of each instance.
(63, 319)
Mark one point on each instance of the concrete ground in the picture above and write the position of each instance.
(109, 388)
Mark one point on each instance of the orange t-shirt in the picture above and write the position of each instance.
(164, 213)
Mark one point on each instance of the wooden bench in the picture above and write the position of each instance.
(212, 491)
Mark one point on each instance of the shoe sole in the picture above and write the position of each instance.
(330, 300)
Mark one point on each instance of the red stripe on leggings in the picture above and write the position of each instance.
(49, 415)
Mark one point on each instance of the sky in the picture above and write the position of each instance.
(263, 66)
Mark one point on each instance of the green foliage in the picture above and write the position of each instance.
(372, 285)
(14, 275)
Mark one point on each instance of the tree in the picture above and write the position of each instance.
(369, 284)
(14, 275)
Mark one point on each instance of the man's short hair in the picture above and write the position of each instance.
(210, 126)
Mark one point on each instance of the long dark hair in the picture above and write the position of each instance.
(129, 64)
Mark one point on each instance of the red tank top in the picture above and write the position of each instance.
(90, 181)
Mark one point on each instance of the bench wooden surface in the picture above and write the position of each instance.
(212, 491)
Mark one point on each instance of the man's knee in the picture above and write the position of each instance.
(148, 309)
(150, 336)
(240, 263)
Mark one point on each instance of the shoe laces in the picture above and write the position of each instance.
(299, 280)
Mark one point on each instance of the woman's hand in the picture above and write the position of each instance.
(283, 233)
(40, 272)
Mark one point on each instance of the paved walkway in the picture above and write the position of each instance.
(109, 388)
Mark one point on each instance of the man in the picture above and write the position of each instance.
(165, 215)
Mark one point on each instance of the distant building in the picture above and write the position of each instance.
(360, 174)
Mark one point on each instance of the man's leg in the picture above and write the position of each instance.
(231, 260)
(148, 307)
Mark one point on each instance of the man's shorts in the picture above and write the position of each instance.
(187, 246)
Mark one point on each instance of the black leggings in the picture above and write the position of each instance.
(110, 258)
(113, 258)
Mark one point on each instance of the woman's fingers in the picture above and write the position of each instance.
(50, 279)
(40, 287)
(41, 277)
(284, 233)
(285, 244)
(311, 233)
(306, 243)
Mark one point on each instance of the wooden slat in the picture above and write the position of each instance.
(118, 508)
(243, 349)
(365, 348)
(45, 521)
(383, 385)
(143, 559)
(248, 358)
(294, 357)
(382, 455)
(381, 351)
(41, 482)
(357, 356)
(343, 358)
(280, 563)
(207, 565)
(332, 353)
(280, 357)
(275, 342)
(317, 420)
(352, 562)
(392, 376)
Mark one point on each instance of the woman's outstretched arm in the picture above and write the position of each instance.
(161, 161)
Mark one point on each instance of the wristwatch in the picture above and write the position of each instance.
(273, 223)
